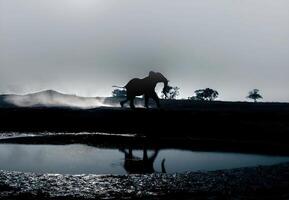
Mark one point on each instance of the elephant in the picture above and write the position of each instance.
(138, 165)
(146, 87)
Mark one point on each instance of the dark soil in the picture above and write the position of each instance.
(270, 182)
(214, 120)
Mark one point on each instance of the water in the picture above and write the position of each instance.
(83, 159)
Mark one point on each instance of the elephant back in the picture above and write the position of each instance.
(134, 84)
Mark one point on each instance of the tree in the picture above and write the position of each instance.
(207, 94)
(254, 94)
(170, 92)
(119, 93)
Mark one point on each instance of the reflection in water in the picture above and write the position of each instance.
(137, 165)
(83, 159)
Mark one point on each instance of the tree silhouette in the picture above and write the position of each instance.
(119, 93)
(170, 92)
(254, 94)
(207, 94)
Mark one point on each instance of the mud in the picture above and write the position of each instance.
(271, 182)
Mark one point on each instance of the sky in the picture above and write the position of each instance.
(84, 47)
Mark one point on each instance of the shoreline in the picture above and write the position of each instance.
(139, 142)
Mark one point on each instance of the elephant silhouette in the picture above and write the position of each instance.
(144, 165)
(146, 87)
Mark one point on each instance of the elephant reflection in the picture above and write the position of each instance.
(144, 165)
(146, 87)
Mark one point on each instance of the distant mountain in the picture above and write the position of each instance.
(49, 98)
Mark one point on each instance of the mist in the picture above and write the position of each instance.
(84, 47)
(54, 99)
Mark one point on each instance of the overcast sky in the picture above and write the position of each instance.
(86, 46)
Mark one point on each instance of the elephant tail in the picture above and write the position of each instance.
(163, 166)
(115, 86)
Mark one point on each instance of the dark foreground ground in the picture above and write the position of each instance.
(220, 120)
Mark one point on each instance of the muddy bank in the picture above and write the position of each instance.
(136, 141)
(270, 182)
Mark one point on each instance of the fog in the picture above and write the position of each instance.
(54, 99)
(84, 47)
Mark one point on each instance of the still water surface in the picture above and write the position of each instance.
(83, 159)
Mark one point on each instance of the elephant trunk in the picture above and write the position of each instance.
(165, 89)
(166, 82)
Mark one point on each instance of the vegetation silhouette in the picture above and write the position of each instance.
(170, 92)
(207, 94)
(119, 93)
(254, 94)
(145, 87)
(144, 165)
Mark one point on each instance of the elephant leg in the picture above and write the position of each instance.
(146, 97)
(145, 154)
(132, 102)
(130, 155)
(156, 99)
(123, 102)
(126, 154)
